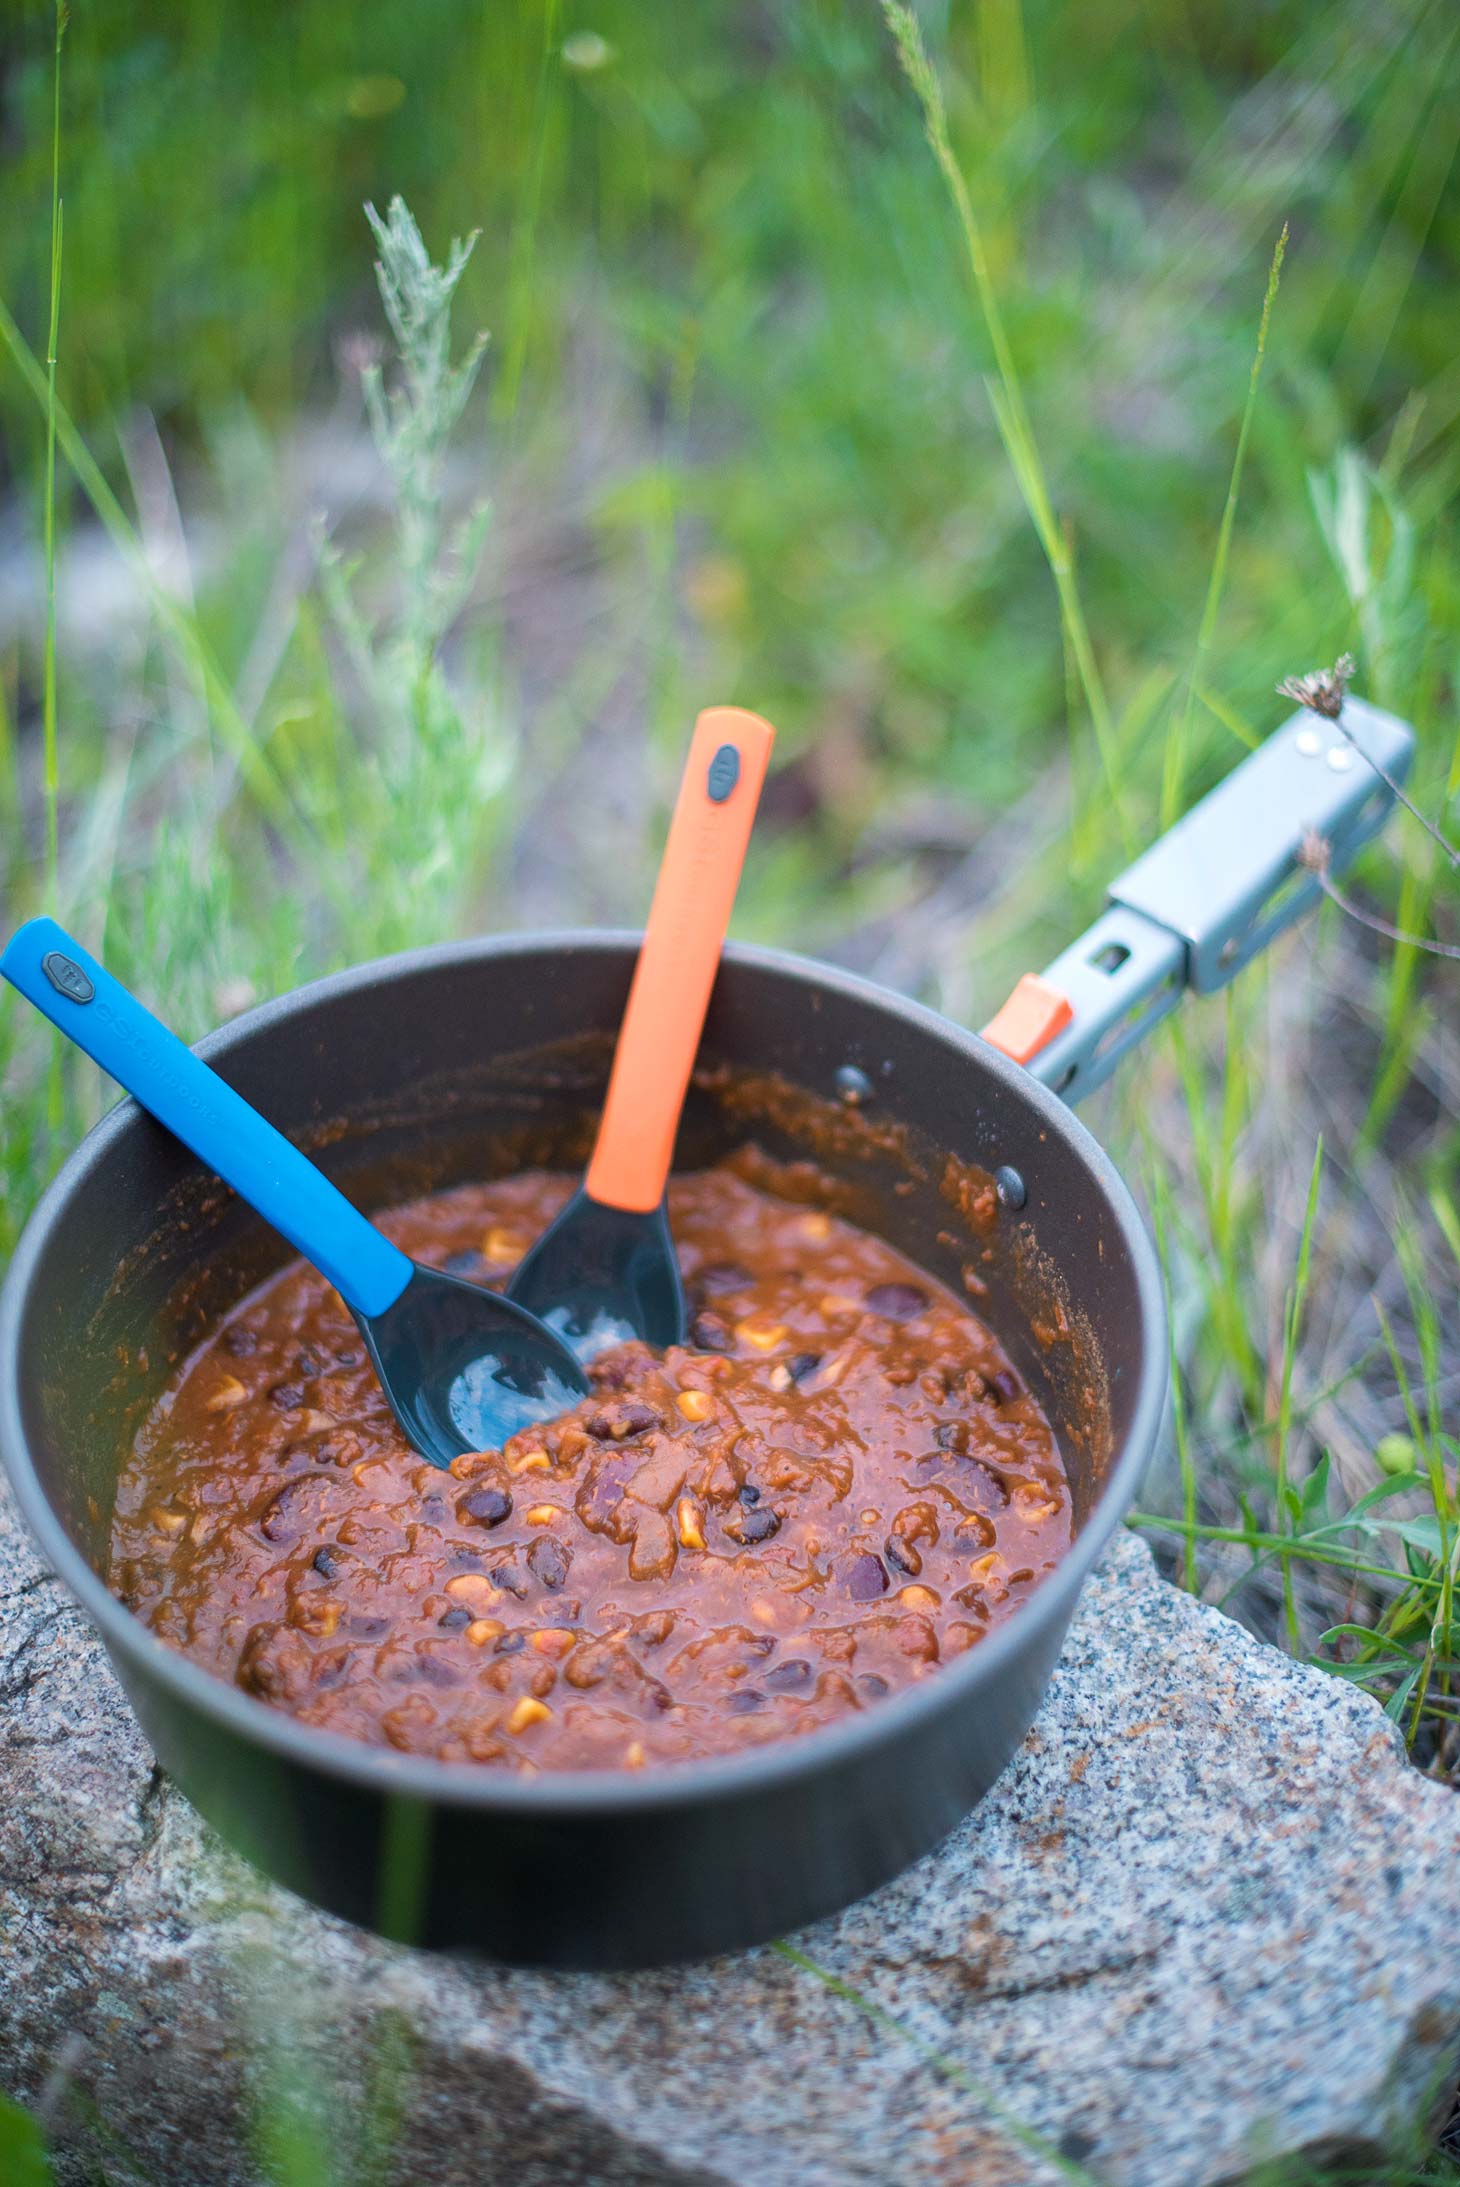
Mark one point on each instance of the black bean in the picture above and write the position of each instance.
(866, 1579)
(1006, 1385)
(620, 1418)
(330, 1561)
(435, 1672)
(241, 1342)
(510, 1644)
(721, 1276)
(709, 1333)
(548, 1561)
(288, 1396)
(750, 1494)
(744, 1701)
(347, 1359)
(455, 1619)
(788, 1676)
(897, 1301)
(802, 1365)
(758, 1526)
(484, 1507)
(902, 1556)
(309, 1362)
(511, 1579)
(433, 1510)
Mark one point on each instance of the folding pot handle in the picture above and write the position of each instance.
(1208, 896)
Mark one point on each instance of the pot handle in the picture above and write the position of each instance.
(1209, 895)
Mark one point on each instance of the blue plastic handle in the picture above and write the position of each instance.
(177, 1087)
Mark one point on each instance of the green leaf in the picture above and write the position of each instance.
(23, 2159)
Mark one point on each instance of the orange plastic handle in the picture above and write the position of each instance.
(708, 837)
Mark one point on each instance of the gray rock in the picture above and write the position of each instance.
(1205, 1917)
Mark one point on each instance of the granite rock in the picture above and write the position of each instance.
(1205, 1918)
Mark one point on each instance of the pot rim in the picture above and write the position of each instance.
(559, 1793)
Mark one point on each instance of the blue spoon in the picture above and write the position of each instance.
(463, 1368)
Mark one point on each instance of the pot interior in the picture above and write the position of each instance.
(428, 1071)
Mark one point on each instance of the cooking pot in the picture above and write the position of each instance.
(444, 1064)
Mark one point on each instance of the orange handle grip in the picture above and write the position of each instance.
(708, 837)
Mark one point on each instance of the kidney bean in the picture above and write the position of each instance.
(866, 1578)
(548, 1562)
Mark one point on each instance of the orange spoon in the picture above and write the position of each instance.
(606, 1269)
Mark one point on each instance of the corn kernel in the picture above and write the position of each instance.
(764, 1336)
(313, 1615)
(832, 1303)
(470, 1463)
(529, 1710)
(168, 1522)
(502, 1246)
(543, 1514)
(816, 1227)
(1032, 1505)
(984, 1570)
(918, 1598)
(530, 1461)
(868, 1518)
(471, 1587)
(483, 1629)
(779, 1379)
(695, 1404)
(634, 1754)
(230, 1392)
(691, 1528)
(554, 1640)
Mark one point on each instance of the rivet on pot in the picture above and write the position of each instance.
(853, 1086)
(1010, 1187)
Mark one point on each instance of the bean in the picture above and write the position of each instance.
(288, 1396)
(866, 1578)
(750, 1494)
(548, 1561)
(1006, 1385)
(241, 1342)
(897, 1301)
(744, 1702)
(621, 1418)
(804, 1364)
(758, 1526)
(510, 1644)
(330, 1561)
(455, 1620)
(484, 1507)
(871, 1685)
(787, 1677)
(711, 1333)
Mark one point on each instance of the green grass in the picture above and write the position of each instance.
(1003, 406)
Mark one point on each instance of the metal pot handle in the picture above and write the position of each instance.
(1204, 899)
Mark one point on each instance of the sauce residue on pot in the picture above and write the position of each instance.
(837, 1484)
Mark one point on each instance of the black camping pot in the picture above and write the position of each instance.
(135, 1250)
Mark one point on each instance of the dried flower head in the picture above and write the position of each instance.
(1322, 689)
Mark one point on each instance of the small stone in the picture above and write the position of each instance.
(484, 1507)
(866, 1578)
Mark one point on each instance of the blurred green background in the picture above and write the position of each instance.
(735, 427)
